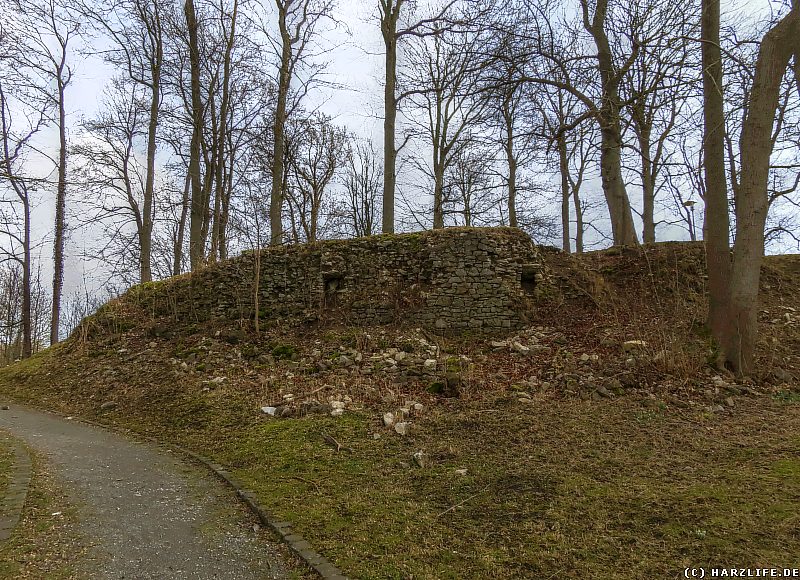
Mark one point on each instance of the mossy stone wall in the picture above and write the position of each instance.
(482, 279)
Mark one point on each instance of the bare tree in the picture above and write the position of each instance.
(136, 29)
(443, 83)
(316, 150)
(297, 23)
(107, 165)
(396, 18)
(734, 291)
(49, 30)
(362, 181)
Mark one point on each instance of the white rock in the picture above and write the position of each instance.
(337, 405)
(633, 345)
(520, 348)
(402, 428)
(337, 412)
(269, 410)
(218, 380)
(400, 356)
(498, 344)
(388, 419)
(461, 471)
(418, 407)
(430, 363)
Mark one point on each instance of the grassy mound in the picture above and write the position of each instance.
(551, 453)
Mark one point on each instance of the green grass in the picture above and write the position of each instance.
(561, 488)
(43, 546)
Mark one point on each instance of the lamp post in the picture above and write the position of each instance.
(689, 205)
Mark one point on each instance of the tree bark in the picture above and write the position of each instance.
(27, 348)
(145, 253)
(511, 161)
(389, 32)
(578, 221)
(563, 166)
(197, 212)
(177, 256)
(752, 202)
(608, 114)
(279, 136)
(648, 187)
(717, 221)
(61, 202)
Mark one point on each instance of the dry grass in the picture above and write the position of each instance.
(638, 486)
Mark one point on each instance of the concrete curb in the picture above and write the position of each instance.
(295, 542)
(12, 502)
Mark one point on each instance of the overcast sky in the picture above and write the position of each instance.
(356, 66)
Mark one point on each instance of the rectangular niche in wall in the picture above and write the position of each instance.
(332, 285)
(528, 278)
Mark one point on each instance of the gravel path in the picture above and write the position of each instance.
(145, 513)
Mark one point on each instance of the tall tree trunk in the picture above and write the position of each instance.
(60, 225)
(511, 161)
(563, 166)
(197, 213)
(578, 220)
(648, 189)
(752, 202)
(619, 207)
(145, 254)
(438, 194)
(389, 31)
(717, 221)
(221, 182)
(177, 256)
(279, 136)
(27, 349)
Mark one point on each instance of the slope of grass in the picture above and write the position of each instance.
(641, 485)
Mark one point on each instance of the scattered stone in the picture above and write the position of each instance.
(218, 380)
(729, 401)
(520, 348)
(585, 358)
(453, 381)
(402, 428)
(498, 345)
(419, 458)
(418, 407)
(337, 412)
(462, 471)
(430, 363)
(604, 392)
(108, 406)
(633, 346)
(388, 419)
(337, 405)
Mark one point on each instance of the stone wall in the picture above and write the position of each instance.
(448, 280)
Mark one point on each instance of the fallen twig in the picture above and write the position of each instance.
(459, 504)
(334, 443)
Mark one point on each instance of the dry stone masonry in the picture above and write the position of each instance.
(452, 280)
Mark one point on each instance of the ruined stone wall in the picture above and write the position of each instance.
(448, 280)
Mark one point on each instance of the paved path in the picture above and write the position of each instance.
(145, 513)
